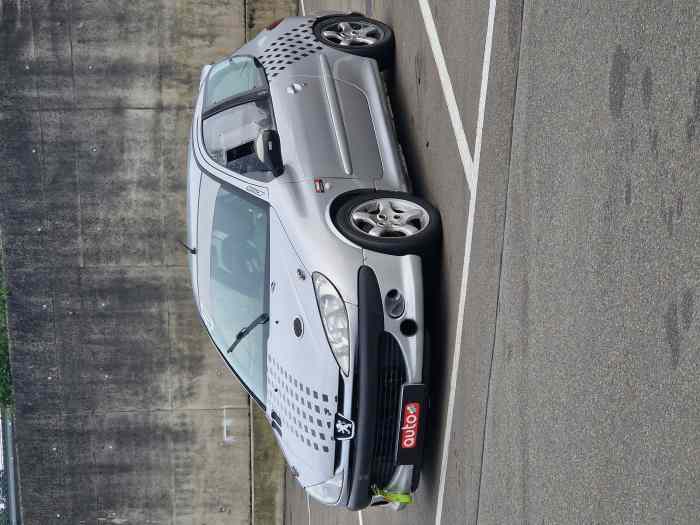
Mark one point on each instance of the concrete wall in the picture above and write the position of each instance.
(268, 473)
(125, 413)
(260, 13)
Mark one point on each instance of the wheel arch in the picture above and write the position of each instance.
(418, 244)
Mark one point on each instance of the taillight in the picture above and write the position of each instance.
(274, 24)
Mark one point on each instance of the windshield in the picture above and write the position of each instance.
(237, 281)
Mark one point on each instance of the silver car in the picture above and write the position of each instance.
(306, 253)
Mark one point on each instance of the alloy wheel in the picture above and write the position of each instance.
(388, 217)
(353, 33)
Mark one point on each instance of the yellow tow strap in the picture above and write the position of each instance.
(393, 497)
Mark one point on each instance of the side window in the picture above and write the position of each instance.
(236, 108)
(229, 136)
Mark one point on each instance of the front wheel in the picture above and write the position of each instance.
(390, 222)
(358, 35)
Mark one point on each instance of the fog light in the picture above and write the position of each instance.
(394, 304)
(408, 327)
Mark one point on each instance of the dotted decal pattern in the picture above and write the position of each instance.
(297, 43)
(306, 414)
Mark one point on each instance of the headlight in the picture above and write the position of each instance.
(334, 317)
(328, 492)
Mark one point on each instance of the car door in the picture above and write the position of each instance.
(325, 127)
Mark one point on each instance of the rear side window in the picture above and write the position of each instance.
(229, 136)
(232, 78)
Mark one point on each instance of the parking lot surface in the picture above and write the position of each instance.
(566, 381)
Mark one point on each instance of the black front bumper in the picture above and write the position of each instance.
(370, 330)
(380, 374)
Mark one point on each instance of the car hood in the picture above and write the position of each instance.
(302, 374)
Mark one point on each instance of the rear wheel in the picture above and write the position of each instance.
(358, 35)
(390, 222)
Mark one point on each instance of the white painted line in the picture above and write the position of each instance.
(471, 173)
(484, 85)
(448, 92)
(359, 517)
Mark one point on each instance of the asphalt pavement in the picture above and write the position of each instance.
(570, 394)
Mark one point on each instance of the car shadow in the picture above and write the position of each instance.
(436, 278)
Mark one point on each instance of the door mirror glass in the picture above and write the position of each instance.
(268, 150)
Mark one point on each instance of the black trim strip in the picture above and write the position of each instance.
(370, 329)
(276, 418)
(341, 409)
(276, 428)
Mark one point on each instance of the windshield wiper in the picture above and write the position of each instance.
(261, 319)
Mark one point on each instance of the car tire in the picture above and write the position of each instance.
(390, 222)
(382, 49)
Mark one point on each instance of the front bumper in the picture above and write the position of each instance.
(371, 327)
(385, 360)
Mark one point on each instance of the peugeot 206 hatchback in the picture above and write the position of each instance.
(305, 253)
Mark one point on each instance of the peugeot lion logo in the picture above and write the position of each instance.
(344, 428)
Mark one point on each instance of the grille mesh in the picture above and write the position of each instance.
(392, 376)
(288, 48)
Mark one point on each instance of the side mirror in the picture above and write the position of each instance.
(268, 150)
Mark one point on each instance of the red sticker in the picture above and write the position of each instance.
(409, 428)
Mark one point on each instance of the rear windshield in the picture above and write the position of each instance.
(231, 78)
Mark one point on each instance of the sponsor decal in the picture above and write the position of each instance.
(410, 425)
(411, 431)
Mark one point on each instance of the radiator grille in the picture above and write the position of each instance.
(392, 376)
